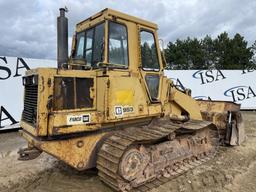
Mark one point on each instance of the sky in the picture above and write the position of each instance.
(28, 28)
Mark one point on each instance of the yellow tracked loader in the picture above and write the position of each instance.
(109, 105)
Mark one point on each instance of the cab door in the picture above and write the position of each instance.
(150, 67)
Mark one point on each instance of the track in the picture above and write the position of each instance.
(114, 150)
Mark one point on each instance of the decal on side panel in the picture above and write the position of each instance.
(78, 119)
(122, 110)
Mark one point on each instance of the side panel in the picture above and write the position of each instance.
(102, 96)
(126, 98)
(45, 79)
(45, 91)
(79, 153)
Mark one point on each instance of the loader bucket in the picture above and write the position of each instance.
(227, 117)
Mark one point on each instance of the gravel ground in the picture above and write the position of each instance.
(233, 169)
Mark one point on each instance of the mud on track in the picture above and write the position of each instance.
(233, 169)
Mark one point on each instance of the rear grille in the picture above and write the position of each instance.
(29, 113)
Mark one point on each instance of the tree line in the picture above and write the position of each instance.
(221, 52)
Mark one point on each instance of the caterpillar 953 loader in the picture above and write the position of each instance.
(110, 106)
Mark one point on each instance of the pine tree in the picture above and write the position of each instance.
(241, 55)
(253, 59)
(209, 52)
(219, 53)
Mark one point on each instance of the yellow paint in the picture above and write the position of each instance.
(187, 103)
(68, 151)
(124, 97)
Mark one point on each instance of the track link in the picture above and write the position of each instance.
(115, 146)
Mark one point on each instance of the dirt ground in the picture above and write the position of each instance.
(233, 169)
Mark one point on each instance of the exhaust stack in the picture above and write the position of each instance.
(62, 38)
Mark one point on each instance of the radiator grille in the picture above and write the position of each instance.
(29, 113)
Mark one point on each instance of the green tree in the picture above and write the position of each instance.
(209, 52)
(185, 54)
(241, 55)
(232, 53)
(253, 48)
(195, 54)
(219, 53)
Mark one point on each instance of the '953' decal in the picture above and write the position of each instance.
(78, 119)
(121, 110)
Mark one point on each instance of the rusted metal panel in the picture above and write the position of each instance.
(227, 117)
(217, 106)
(79, 153)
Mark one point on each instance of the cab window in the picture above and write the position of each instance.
(98, 44)
(90, 45)
(80, 46)
(153, 85)
(118, 44)
(149, 56)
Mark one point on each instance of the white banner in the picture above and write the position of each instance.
(230, 85)
(11, 89)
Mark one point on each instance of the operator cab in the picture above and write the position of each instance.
(103, 38)
(118, 41)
